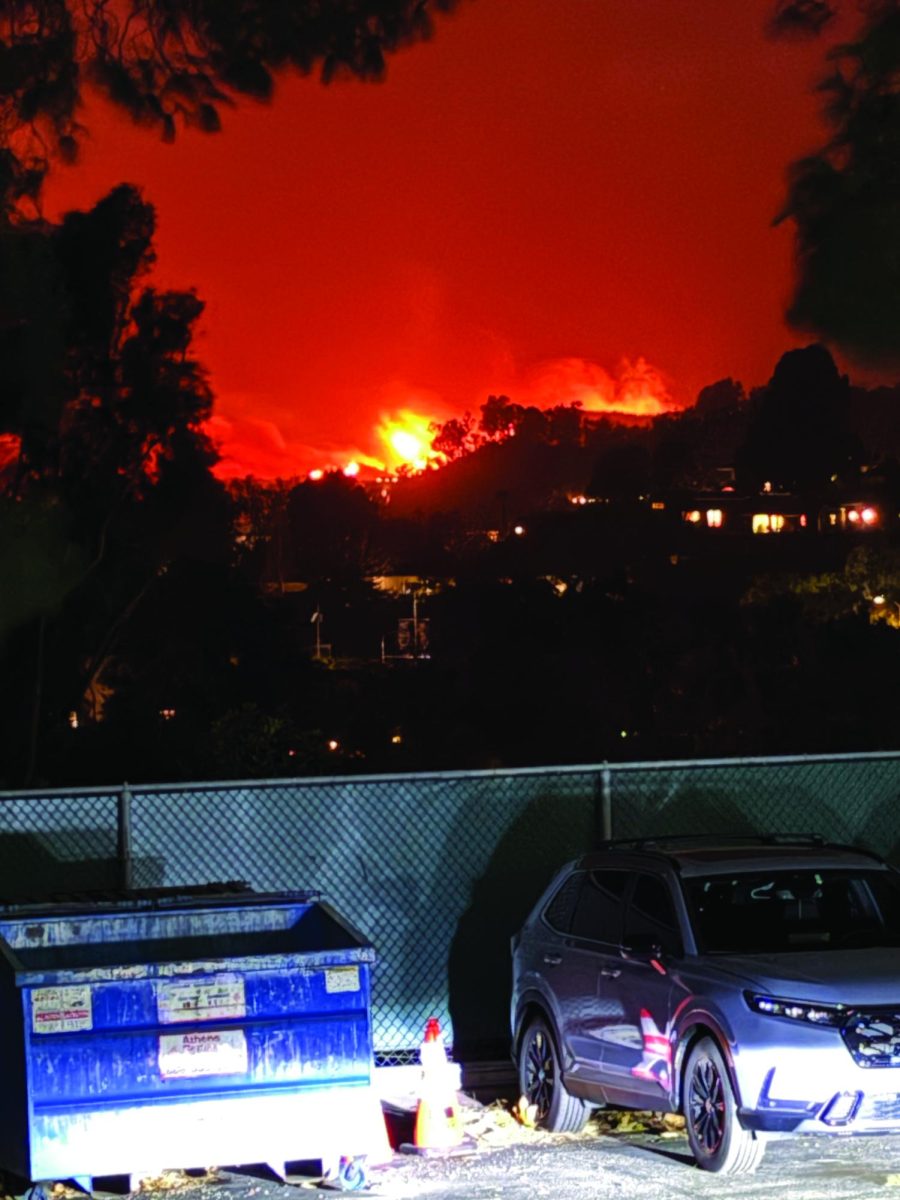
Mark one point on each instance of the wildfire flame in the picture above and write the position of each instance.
(406, 435)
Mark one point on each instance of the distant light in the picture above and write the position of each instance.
(396, 739)
(73, 720)
(853, 516)
(714, 518)
(351, 469)
(623, 733)
(316, 474)
(658, 505)
(333, 744)
(878, 599)
(767, 522)
(869, 516)
(167, 714)
(292, 753)
(693, 516)
(578, 499)
(803, 521)
(518, 530)
(767, 486)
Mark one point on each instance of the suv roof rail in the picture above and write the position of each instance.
(758, 839)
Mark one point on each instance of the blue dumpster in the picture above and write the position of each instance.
(184, 1032)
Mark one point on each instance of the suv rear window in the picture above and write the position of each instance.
(767, 912)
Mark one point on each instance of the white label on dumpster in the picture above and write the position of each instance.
(342, 979)
(204, 1052)
(213, 1000)
(61, 1009)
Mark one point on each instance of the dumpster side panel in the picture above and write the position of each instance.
(140, 1056)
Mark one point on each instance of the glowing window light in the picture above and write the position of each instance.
(694, 516)
(714, 518)
(869, 516)
(658, 505)
(760, 523)
(776, 522)
(73, 720)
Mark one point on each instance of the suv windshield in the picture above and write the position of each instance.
(766, 912)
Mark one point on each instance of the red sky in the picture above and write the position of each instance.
(549, 195)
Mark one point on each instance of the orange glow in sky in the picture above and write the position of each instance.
(566, 202)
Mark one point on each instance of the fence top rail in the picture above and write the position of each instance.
(113, 791)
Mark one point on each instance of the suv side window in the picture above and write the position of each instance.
(600, 907)
(651, 913)
(558, 913)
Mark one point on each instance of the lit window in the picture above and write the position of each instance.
(693, 516)
(658, 505)
(803, 520)
(714, 518)
(760, 523)
(776, 522)
(73, 720)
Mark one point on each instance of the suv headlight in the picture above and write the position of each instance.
(798, 1010)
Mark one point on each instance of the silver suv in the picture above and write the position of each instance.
(752, 984)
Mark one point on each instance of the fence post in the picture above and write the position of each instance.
(606, 802)
(124, 838)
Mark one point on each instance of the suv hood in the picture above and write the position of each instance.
(851, 977)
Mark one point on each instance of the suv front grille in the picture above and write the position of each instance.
(873, 1038)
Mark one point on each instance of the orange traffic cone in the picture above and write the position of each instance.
(437, 1116)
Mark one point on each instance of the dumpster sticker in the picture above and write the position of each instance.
(214, 1000)
(213, 1052)
(342, 979)
(61, 1009)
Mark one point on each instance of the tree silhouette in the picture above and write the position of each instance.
(798, 437)
(845, 199)
(166, 61)
(111, 475)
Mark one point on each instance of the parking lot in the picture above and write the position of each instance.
(599, 1164)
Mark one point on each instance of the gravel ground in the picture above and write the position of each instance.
(615, 1159)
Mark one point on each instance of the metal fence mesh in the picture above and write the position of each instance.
(438, 871)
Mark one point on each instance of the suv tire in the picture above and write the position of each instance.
(540, 1082)
(717, 1140)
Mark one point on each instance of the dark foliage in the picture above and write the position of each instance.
(171, 61)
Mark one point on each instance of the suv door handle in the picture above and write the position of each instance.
(611, 972)
(553, 960)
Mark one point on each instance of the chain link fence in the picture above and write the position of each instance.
(437, 870)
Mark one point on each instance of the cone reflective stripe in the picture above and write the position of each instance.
(437, 1116)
